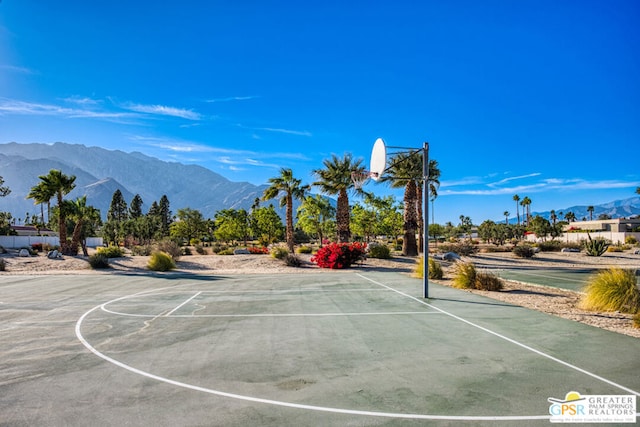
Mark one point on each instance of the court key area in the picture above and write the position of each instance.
(337, 348)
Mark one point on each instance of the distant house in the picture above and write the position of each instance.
(615, 230)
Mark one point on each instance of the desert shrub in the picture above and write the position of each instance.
(595, 247)
(435, 269)
(170, 248)
(99, 260)
(339, 255)
(614, 289)
(227, 251)
(279, 251)
(3, 264)
(161, 261)
(550, 246)
(218, 247)
(616, 248)
(291, 260)
(631, 240)
(111, 251)
(524, 251)
(200, 249)
(258, 250)
(464, 248)
(304, 250)
(195, 241)
(185, 250)
(486, 281)
(379, 251)
(144, 250)
(464, 276)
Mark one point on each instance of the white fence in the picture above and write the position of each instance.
(15, 242)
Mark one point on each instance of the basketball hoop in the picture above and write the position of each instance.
(360, 178)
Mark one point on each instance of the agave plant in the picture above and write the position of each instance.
(596, 247)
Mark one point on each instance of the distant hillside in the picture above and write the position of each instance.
(617, 209)
(100, 172)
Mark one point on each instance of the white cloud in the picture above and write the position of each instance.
(231, 98)
(15, 69)
(10, 106)
(287, 131)
(164, 110)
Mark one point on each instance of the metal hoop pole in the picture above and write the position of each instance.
(425, 231)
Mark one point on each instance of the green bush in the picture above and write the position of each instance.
(217, 247)
(161, 261)
(595, 247)
(170, 248)
(279, 251)
(111, 251)
(614, 289)
(99, 260)
(3, 264)
(227, 251)
(524, 251)
(487, 281)
(464, 276)
(304, 250)
(195, 242)
(200, 249)
(379, 251)
(185, 250)
(464, 248)
(631, 240)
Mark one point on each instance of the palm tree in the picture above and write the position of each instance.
(553, 216)
(59, 184)
(433, 182)
(334, 179)
(290, 188)
(81, 214)
(506, 217)
(590, 210)
(526, 203)
(570, 216)
(516, 199)
(405, 170)
(41, 194)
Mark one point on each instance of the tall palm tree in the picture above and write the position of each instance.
(506, 217)
(59, 184)
(516, 199)
(334, 179)
(433, 182)
(590, 210)
(553, 216)
(570, 216)
(405, 170)
(289, 188)
(526, 203)
(41, 194)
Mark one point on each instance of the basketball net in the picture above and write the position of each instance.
(360, 178)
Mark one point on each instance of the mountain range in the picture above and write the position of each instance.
(100, 172)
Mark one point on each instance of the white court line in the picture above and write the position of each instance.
(185, 302)
(518, 343)
(302, 406)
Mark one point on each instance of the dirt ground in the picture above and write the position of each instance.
(557, 302)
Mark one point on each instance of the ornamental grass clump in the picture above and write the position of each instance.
(161, 261)
(464, 276)
(435, 269)
(614, 289)
(339, 255)
(111, 251)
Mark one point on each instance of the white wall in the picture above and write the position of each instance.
(15, 242)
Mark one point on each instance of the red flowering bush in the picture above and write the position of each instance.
(339, 255)
(256, 250)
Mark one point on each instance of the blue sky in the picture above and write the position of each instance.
(535, 98)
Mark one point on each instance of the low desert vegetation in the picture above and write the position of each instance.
(339, 255)
(279, 251)
(98, 261)
(524, 251)
(111, 251)
(466, 276)
(595, 247)
(435, 269)
(614, 289)
(161, 261)
(379, 251)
